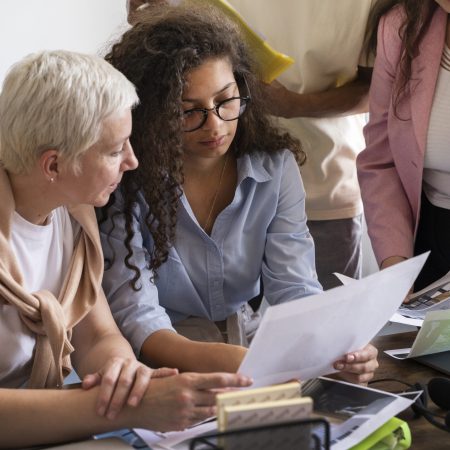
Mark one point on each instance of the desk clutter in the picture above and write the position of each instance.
(267, 418)
(320, 413)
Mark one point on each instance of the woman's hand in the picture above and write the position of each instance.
(122, 381)
(279, 99)
(358, 367)
(176, 403)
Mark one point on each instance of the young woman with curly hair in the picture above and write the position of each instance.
(216, 205)
(404, 171)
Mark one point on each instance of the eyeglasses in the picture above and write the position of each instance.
(228, 110)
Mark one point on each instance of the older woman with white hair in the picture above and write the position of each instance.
(65, 122)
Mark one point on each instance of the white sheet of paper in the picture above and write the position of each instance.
(399, 353)
(302, 338)
(396, 317)
(344, 279)
(167, 441)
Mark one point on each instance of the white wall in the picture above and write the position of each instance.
(86, 26)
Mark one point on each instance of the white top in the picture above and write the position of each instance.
(43, 254)
(325, 38)
(436, 173)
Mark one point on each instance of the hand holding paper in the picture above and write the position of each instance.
(358, 367)
(301, 339)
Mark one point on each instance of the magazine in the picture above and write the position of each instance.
(435, 297)
(353, 411)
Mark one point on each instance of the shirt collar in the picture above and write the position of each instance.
(251, 166)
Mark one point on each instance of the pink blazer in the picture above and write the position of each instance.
(390, 168)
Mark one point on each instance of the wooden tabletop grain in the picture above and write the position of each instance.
(424, 435)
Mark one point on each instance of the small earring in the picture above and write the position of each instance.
(52, 180)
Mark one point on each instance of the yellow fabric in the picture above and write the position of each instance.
(271, 63)
(51, 318)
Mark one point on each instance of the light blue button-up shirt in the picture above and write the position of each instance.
(261, 233)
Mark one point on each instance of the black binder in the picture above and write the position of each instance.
(305, 434)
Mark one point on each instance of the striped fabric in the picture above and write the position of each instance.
(445, 61)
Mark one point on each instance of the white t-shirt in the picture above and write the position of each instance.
(436, 173)
(325, 37)
(43, 254)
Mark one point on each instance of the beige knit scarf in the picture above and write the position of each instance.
(51, 318)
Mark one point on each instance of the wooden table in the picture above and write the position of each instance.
(424, 435)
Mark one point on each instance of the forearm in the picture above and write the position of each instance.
(391, 261)
(342, 101)
(166, 348)
(104, 349)
(35, 417)
(390, 225)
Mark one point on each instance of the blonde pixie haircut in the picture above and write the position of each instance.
(58, 100)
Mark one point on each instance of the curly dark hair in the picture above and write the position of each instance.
(155, 55)
(418, 14)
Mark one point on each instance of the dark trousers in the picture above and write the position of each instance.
(433, 234)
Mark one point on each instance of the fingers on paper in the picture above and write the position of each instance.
(359, 366)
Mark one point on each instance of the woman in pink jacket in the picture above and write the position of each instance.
(404, 172)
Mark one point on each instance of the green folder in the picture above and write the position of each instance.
(393, 435)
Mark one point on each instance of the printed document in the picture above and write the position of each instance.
(302, 338)
(435, 297)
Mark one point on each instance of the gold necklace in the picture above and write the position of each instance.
(216, 194)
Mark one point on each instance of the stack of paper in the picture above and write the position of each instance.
(263, 406)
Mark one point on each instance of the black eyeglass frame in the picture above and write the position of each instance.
(205, 111)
